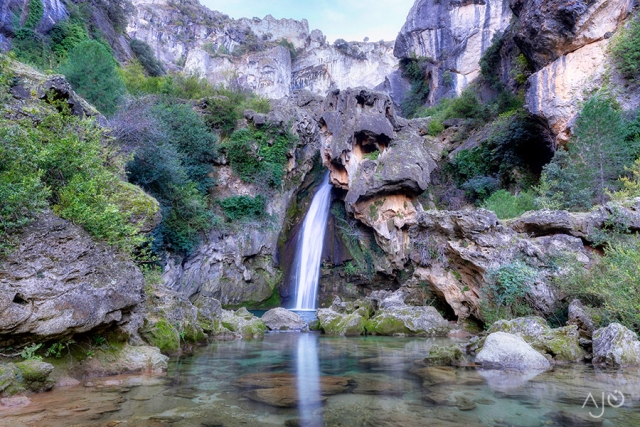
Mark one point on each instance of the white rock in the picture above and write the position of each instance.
(502, 350)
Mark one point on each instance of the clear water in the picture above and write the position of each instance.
(309, 251)
(387, 385)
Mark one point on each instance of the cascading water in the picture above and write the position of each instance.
(309, 251)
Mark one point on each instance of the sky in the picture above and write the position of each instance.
(352, 20)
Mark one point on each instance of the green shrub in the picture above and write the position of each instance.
(507, 206)
(138, 83)
(60, 161)
(506, 291)
(173, 151)
(597, 157)
(292, 49)
(66, 35)
(243, 207)
(36, 11)
(490, 61)
(626, 50)
(33, 49)
(435, 127)
(222, 114)
(258, 104)
(260, 155)
(147, 58)
(611, 286)
(414, 69)
(91, 70)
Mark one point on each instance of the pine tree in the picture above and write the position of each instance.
(599, 148)
(91, 70)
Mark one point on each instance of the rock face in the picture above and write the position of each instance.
(472, 243)
(615, 346)
(239, 266)
(506, 351)
(54, 11)
(379, 158)
(580, 318)
(249, 52)
(561, 344)
(281, 319)
(59, 282)
(454, 34)
(567, 44)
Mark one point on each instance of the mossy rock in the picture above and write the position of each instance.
(444, 355)
(144, 210)
(561, 343)
(408, 320)
(386, 325)
(9, 382)
(244, 323)
(350, 324)
(162, 335)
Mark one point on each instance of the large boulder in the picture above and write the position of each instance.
(407, 320)
(506, 351)
(560, 343)
(281, 319)
(243, 323)
(615, 346)
(59, 282)
(333, 322)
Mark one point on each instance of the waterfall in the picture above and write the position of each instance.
(309, 250)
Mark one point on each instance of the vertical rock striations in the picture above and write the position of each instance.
(454, 35)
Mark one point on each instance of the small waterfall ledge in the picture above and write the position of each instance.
(309, 251)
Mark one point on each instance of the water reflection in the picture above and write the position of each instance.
(313, 380)
(308, 372)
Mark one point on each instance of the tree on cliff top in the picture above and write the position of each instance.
(91, 70)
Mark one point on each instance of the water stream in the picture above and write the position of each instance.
(309, 251)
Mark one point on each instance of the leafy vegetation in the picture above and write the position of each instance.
(173, 153)
(243, 207)
(414, 69)
(147, 58)
(506, 291)
(626, 51)
(507, 205)
(611, 286)
(490, 60)
(260, 155)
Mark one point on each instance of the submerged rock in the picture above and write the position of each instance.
(502, 350)
(129, 359)
(243, 323)
(281, 319)
(615, 346)
(407, 320)
(440, 355)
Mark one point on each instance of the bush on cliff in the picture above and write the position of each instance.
(91, 70)
(626, 51)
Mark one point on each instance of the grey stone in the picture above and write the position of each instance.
(579, 317)
(281, 319)
(506, 351)
(59, 282)
(616, 346)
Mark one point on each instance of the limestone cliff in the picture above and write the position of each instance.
(454, 35)
(568, 45)
(251, 53)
